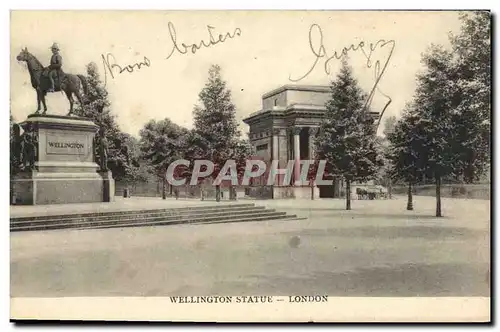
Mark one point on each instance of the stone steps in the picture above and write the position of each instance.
(167, 215)
(263, 217)
(103, 213)
(161, 217)
(118, 221)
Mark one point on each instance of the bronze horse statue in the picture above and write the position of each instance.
(67, 83)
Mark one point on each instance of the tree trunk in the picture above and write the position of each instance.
(217, 193)
(438, 196)
(348, 194)
(163, 190)
(12, 196)
(232, 196)
(409, 206)
(312, 190)
(389, 188)
(171, 189)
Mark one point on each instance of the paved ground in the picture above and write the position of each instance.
(377, 249)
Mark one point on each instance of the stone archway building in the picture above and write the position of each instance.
(284, 129)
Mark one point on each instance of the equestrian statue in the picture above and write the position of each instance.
(52, 78)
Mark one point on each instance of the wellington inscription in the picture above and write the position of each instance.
(66, 145)
(54, 147)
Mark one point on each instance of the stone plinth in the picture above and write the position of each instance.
(65, 170)
(108, 186)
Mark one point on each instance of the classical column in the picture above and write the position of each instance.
(313, 131)
(312, 136)
(275, 143)
(275, 149)
(296, 152)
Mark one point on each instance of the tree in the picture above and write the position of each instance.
(161, 143)
(452, 105)
(11, 126)
(241, 154)
(14, 162)
(435, 99)
(13, 158)
(97, 107)
(215, 126)
(407, 150)
(128, 156)
(16, 147)
(193, 147)
(471, 49)
(346, 138)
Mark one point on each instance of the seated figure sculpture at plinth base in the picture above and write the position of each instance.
(57, 163)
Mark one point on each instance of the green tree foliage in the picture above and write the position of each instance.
(241, 154)
(434, 103)
(161, 143)
(346, 138)
(215, 120)
(216, 132)
(451, 110)
(136, 170)
(471, 50)
(407, 150)
(14, 162)
(193, 147)
(11, 123)
(97, 107)
(97, 104)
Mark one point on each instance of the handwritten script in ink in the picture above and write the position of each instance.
(319, 51)
(183, 48)
(113, 68)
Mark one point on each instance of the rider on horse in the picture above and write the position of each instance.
(55, 66)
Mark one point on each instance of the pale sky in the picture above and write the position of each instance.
(273, 46)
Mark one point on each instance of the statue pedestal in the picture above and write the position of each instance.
(65, 171)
